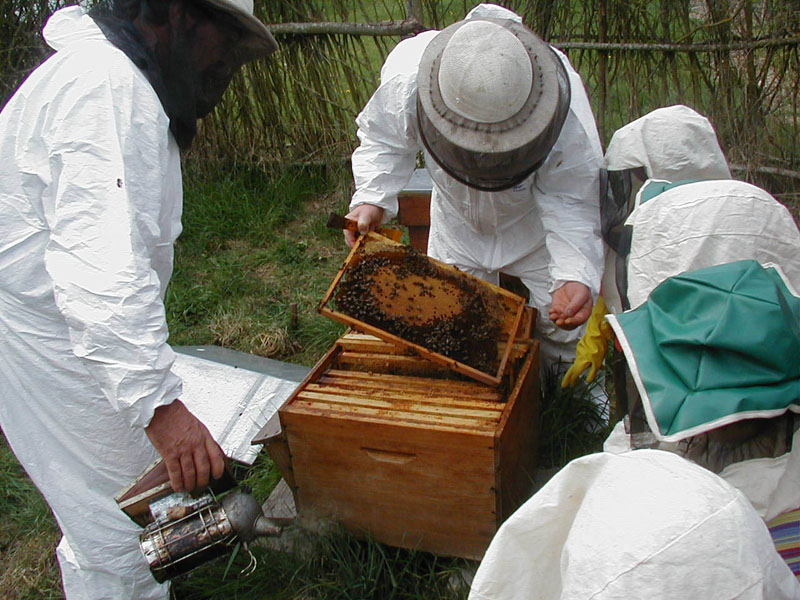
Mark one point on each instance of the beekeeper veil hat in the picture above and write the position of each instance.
(259, 40)
(492, 100)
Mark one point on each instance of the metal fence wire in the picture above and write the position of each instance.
(735, 61)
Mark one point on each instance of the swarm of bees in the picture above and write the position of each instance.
(388, 290)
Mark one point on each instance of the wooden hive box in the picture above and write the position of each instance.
(404, 450)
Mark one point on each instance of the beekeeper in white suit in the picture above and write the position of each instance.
(679, 508)
(512, 148)
(90, 205)
(671, 206)
(710, 510)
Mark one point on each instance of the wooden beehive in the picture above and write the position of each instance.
(406, 451)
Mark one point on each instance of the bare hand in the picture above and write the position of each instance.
(190, 453)
(369, 218)
(572, 305)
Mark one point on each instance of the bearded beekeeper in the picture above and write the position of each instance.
(511, 145)
(669, 205)
(90, 205)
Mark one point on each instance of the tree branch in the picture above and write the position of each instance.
(766, 170)
(405, 27)
(632, 46)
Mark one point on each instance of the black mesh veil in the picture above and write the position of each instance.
(173, 82)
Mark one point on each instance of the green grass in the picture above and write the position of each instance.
(28, 536)
(255, 252)
(330, 565)
(572, 423)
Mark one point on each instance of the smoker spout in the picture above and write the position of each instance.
(266, 527)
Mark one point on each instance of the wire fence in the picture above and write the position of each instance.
(736, 61)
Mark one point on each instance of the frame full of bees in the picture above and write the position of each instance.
(442, 314)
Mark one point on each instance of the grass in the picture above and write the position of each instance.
(28, 536)
(572, 421)
(255, 250)
(331, 565)
(254, 253)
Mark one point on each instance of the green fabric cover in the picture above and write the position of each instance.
(714, 346)
(653, 188)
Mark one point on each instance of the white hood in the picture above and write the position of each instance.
(69, 26)
(673, 143)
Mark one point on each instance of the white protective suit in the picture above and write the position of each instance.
(644, 524)
(696, 225)
(546, 230)
(90, 205)
(707, 223)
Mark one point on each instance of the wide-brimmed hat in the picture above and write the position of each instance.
(260, 41)
(713, 347)
(491, 103)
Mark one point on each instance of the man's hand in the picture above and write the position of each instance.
(190, 453)
(572, 305)
(369, 218)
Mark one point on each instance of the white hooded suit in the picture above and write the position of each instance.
(545, 230)
(90, 205)
(707, 221)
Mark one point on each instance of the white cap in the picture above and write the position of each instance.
(492, 11)
(485, 73)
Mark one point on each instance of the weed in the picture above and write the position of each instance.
(331, 565)
(573, 420)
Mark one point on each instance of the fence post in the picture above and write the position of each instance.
(603, 68)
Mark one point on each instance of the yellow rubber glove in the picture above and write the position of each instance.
(591, 349)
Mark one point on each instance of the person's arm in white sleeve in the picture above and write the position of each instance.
(567, 187)
(102, 236)
(389, 136)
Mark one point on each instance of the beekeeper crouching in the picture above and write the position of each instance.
(511, 145)
(712, 508)
(90, 205)
(669, 205)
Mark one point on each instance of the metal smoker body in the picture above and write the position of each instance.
(187, 531)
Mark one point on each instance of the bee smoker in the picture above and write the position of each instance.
(188, 531)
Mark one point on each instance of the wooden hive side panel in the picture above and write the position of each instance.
(273, 435)
(406, 486)
(517, 440)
